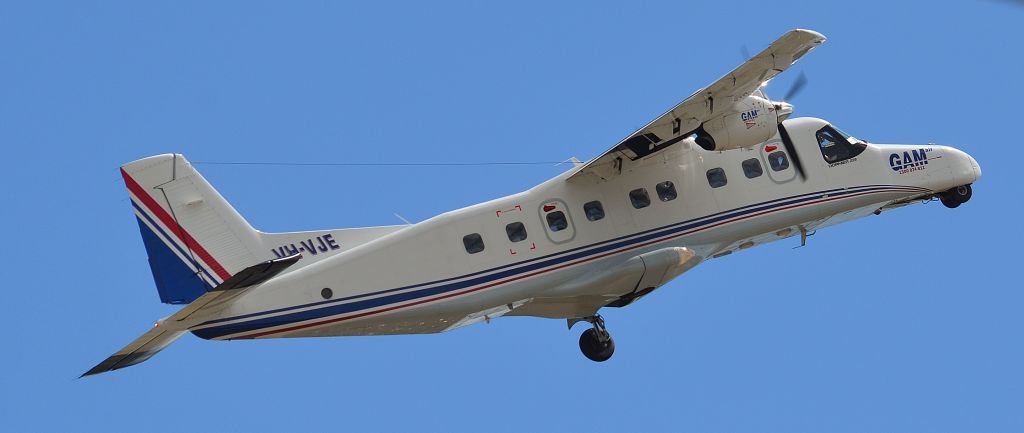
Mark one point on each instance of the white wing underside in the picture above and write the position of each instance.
(166, 331)
(705, 104)
(487, 315)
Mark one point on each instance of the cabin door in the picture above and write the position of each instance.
(557, 221)
(778, 162)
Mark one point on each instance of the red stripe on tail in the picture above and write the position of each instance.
(168, 221)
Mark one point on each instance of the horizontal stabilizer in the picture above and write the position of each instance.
(257, 274)
(139, 350)
(171, 328)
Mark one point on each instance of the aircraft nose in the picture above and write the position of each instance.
(977, 168)
(965, 167)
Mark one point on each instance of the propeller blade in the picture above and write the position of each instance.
(797, 86)
(744, 52)
(791, 150)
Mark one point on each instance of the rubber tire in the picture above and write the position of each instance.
(592, 347)
(949, 201)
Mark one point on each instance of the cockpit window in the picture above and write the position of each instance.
(837, 146)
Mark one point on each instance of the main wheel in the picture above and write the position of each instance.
(595, 349)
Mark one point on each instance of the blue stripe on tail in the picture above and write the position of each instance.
(176, 283)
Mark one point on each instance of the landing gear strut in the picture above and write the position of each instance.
(956, 196)
(596, 343)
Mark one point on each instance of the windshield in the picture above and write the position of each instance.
(848, 137)
(837, 146)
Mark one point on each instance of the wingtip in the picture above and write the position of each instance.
(820, 38)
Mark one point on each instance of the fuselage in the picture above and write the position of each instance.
(518, 252)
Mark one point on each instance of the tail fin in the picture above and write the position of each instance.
(195, 239)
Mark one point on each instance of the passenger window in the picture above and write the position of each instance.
(716, 177)
(837, 146)
(639, 198)
(473, 243)
(593, 210)
(666, 191)
(778, 160)
(557, 221)
(752, 168)
(516, 232)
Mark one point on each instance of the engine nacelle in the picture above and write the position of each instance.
(752, 121)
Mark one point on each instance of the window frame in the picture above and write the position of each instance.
(760, 168)
(597, 204)
(466, 244)
(720, 170)
(842, 146)
(564, 219)
(771, 161)
(633, 199)
(521, 227)
(671, 188)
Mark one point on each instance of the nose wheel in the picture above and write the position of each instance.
(956, 196)
(596, 343)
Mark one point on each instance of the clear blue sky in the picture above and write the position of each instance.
(907, 322)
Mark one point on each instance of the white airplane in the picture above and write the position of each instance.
(724, 170)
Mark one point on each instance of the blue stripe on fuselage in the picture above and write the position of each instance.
(522, 267)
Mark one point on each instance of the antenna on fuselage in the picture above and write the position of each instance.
(804, 235)
(401, 218)
(575, 162)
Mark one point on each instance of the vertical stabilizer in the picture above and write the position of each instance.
(195, 239)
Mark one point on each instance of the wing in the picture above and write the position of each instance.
(488, 314)
(705, 104)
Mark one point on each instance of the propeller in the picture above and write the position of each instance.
(788, 144)
(796, 87)
(801, 80)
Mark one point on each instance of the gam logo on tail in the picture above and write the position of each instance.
(909, 161)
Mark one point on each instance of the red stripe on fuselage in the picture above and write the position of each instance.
(564, 265)
(164, 217)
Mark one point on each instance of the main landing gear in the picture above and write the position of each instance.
(956, 196)
(596, 343)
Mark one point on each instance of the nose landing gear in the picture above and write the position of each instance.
(956, 196)
(596, 343)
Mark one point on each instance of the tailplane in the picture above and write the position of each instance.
(169, 329)
(202, 252)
